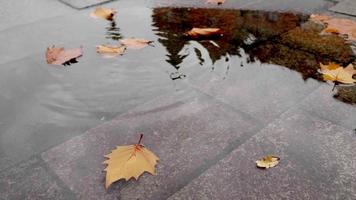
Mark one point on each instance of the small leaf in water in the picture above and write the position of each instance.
(110, 51)
(338, 74)
(135, 43)
(200, 33)
(103, 13)
(59, 56)
(267, 162)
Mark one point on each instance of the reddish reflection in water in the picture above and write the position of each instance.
(285, 39)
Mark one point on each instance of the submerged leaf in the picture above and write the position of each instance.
(110, 51)
(196, 33)
(59, 56)
(103, 13)
(267, 162)
(135, 43)
(126, 162)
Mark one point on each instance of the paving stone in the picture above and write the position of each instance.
(262, 90)
(17, 13)
(315, 164)
(305, 6)
(322, 104)
(31, 181)
(186, 130)
(80, 4)
(42, 105)
(345, 7)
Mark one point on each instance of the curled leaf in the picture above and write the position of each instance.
(268, 162)
(110, 51)
(197, 33)
(126, 162)
(103, 13)
(135, 43)
(59, 56)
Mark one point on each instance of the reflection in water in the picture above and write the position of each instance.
(284, 39)
(113, 32)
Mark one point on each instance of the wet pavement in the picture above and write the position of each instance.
(208, 108)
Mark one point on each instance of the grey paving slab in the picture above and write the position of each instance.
(323, 104)
(187, 130)
(42, 105)
(345, 7)
(80, 4)
(305, 6)
(262, 90)
(16, 13)
(32, 181)
(317, 162)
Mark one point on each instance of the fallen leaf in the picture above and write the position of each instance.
(337, 25)
(337, 73)
(219, 2)
(135, 43)
(59, 56)
(126, 162)
(110, 51)
(103, 13)
(267, 162)
(196, 33)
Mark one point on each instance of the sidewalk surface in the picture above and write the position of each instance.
(207, 109)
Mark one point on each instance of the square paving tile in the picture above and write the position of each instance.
(261, 90)
(187, 130)
(345, 7)
(31, 181)
(80, 4)
(322, 104)
(317, 162)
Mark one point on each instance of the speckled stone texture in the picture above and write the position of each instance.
(264, 95)
(315, 164)
(321, 103)
(188, 133)
(31, 180)
(347, 7)
(80, 4)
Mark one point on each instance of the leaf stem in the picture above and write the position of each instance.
(139, 141)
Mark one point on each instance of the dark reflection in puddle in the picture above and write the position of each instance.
(285, 39)
(113, 31)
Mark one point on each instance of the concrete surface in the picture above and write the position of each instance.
(230, 103)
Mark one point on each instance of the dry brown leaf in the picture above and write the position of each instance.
(103, 13)
(135, 43)
(338, 74)
(126, 162)
(196, 33)
(110, 51)
(267, 162)
(59, 56)
(219, 2)
(337, 25)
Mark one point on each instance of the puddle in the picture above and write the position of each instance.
(284, 39)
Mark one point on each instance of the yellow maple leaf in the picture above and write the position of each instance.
(110, 51)
(267, 162)
(103, 13)
(129, 161)
(338, 74)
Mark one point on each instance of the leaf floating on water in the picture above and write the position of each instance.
(338, 74)
(197, 33)
(126, 162)
(103, 13)
(268, 162)
(337, 25)
(218, 2)
(59, 56)
(135, 43)
(110, 51)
